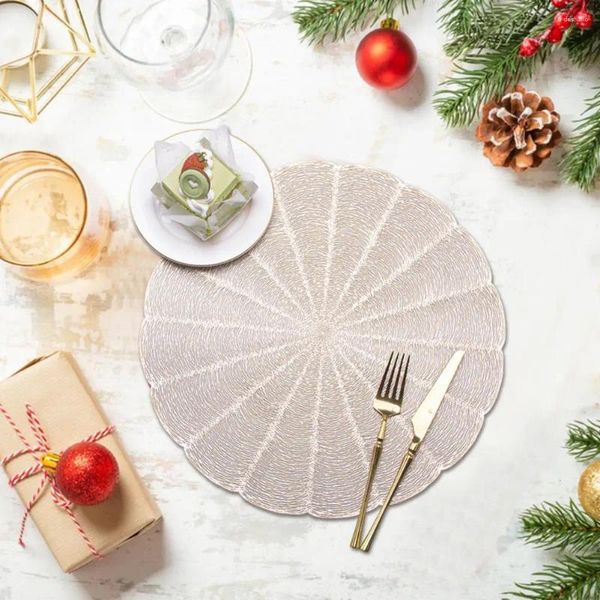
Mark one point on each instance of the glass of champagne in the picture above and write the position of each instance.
(49, 228)
(189, 61)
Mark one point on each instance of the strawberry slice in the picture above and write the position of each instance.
(196, 162)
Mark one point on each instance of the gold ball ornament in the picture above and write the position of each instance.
(589, 490)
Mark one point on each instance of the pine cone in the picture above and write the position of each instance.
(520, 131)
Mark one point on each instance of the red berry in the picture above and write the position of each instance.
(561, 3)
(554, 35)
(562, 20)
(529, 46)
(584, 19)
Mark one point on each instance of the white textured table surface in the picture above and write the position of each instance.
(456, 541)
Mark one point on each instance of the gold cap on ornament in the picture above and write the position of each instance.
(50, 461)
(390, 23)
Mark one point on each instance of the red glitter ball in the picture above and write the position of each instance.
(561, 3)
(87, 473)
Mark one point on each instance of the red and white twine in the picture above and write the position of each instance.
(47, 479)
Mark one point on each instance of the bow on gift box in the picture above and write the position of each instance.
(42, 452)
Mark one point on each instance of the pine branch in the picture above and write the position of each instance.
(583, 440)
(584, 46)
(489, 26)
(561, 526)
(479, 77)
(476, 79)
(319, 20)
(483, 74)
(464, 43)
(571, 579)
(458, 16)
(580, 164)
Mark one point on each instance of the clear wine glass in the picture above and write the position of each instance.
(188, 59)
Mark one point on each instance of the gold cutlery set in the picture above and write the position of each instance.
(388, 404)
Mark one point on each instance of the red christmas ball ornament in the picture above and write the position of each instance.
(87, 473)
(562, 20)
(529, 46)
(584, 19)
(561, 3)
(386, 58)
(554, 35)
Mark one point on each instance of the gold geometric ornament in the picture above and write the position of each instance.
(43, 44)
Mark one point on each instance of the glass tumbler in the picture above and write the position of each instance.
(49, 229)
(186, 57)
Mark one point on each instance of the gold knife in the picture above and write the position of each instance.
(421, 422)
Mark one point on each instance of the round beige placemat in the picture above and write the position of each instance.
(264, 370)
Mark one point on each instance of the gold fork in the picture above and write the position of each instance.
(388, 403)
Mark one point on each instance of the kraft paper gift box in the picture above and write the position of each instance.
(68, 412)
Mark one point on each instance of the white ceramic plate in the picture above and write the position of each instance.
(173, 241)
